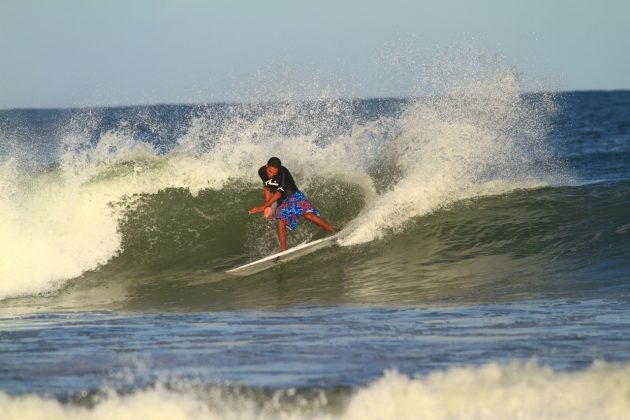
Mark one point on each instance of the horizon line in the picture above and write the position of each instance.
(228, 103)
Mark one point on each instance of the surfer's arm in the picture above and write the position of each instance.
(267, 193)
(269, 200)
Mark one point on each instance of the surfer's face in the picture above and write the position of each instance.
(272, 171)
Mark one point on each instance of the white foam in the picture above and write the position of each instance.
(52, 235)
(492, 391)
(498, 392)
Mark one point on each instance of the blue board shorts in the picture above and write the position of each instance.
(294, 207)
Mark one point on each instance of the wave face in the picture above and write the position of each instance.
(145, 207)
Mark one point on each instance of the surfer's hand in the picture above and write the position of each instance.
(267, 213)
(256, 210)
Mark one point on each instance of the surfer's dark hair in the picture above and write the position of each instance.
(275, 162)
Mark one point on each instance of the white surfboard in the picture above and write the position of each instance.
(284, 256)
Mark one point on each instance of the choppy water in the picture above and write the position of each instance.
(485, 272)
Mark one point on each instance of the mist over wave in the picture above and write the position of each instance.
(67, 214)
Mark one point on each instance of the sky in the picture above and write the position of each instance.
(67, 53)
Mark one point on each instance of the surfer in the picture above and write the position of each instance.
(280, 189)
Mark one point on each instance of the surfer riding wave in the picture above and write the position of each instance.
(280, 189)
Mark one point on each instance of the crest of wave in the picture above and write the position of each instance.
(475, 135)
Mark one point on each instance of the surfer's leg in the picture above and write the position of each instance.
(320, 221)
(282, 235)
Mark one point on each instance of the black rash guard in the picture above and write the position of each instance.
(282, 182)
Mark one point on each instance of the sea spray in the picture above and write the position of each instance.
(477, 137)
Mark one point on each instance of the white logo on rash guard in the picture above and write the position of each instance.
(271, 183)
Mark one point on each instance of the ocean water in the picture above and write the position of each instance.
(485, 272)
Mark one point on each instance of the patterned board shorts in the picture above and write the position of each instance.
(294, 207)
